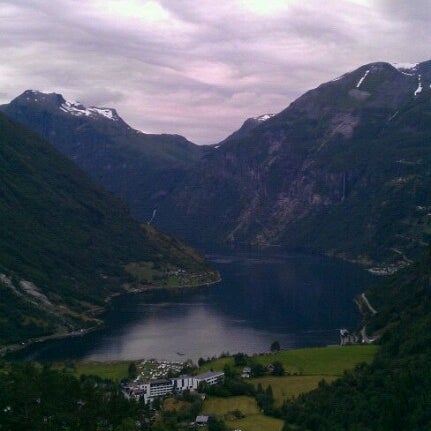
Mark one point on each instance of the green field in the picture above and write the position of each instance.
(222, 406)
(257, 423)
(306, 368)
(319, 361)
(287, 387)
(115, 370)
(253, 420)
(328, 362)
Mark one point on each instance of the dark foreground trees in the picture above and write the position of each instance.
(34, 397)
(394, 392)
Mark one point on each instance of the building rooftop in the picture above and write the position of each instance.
(160, 382)
(209, 374)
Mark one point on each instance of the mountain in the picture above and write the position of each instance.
(66, 245)
(248, 125)
(344, 170)
(138, 167)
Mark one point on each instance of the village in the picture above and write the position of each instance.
(148, 390)
(266, 378)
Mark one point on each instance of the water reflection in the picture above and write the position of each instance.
(298, 300)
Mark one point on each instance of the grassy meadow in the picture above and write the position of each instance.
(253, 419)
(115, 370)
(306, 368)
(318, 361)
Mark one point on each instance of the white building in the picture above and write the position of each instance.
(211, 378)
(202, 420)
(159, 388)
(183, 383)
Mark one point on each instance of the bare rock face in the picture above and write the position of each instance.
(322, 174)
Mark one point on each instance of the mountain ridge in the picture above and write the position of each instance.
(294, 180)
(315, 160)
(137, 167)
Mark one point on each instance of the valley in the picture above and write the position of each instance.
(215, 216)
(341, 171)
(66, 244)
(299, 203)
(300, 300)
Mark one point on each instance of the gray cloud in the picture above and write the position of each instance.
(198, 68)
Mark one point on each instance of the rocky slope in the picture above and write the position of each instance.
(344, 170)
(140, 168)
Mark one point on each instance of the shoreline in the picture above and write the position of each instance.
(97, 311)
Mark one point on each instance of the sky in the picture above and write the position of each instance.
(199, 68)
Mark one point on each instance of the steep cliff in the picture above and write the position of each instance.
(344, 170)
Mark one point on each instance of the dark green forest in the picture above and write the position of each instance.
(394, 392)
(40, 398)
(65, 242)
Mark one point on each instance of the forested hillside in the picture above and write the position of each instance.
(140, 168)
(394, 392)
(65, 243)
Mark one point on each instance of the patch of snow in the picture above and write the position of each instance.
(217, 147)
(405, 73)
(405, 66)
(263, 117)
(78, 109)
(105, 112)
(420, 88)
(362, 79)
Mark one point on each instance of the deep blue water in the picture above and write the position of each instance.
(296, 299)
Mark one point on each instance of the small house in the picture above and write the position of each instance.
(246, 373)
(202, 420)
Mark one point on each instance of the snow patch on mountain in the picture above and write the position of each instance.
(263, 117)
(78, 109)
(420, 88)
(362, 79)
(408, 69)
(405, 66)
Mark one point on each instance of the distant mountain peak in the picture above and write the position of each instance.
(78, 109)
(35, 96)
(248, 125)
(55, 101)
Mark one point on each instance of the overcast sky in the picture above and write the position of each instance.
(199, 67)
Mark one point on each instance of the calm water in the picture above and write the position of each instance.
(298, 300)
